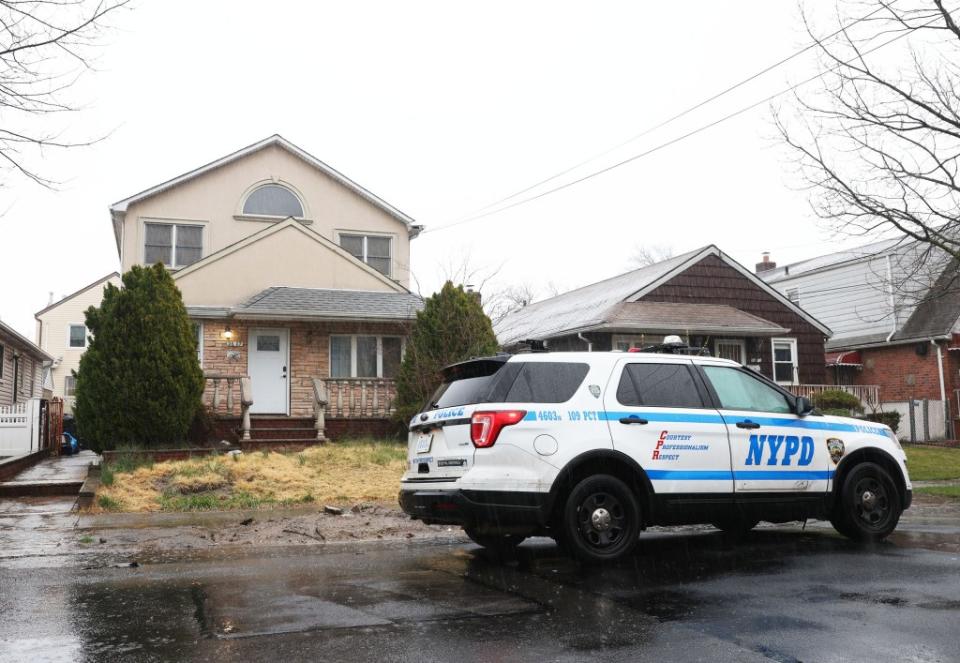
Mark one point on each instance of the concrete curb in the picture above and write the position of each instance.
(88, 491)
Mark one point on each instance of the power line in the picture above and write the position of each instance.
(481, 214)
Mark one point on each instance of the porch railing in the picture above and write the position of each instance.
(868, 394)
(360, 398)
(228, 395)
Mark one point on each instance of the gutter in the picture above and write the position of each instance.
(586, 340)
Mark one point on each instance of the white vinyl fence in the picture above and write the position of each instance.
(20, 428)
(921, 420)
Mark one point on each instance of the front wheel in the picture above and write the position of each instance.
(869, 507)
(601, 519)
(500, 544)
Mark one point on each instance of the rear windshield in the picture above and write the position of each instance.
(515, 382)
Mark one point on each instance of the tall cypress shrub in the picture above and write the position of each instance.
(139, 381)
(451, 327)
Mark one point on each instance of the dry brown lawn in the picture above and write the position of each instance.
(344, 473)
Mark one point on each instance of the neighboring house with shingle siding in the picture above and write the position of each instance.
(704, 296)
(61, 332)
(21, 367)
(293, 274)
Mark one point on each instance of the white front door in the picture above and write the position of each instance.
(267, 363)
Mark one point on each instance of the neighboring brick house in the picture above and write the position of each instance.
(62, 333)
(704, 296)
(21, 368)
(895, 313)
(294, 275)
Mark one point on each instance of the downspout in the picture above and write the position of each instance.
(590, 348)
(943, 391)
(893, 304)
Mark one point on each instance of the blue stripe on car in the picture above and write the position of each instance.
(725, 475)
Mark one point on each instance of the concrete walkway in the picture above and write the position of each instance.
(58, 475)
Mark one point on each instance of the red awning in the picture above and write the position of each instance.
(849, 358)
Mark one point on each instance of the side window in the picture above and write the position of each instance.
(738, 390)
(658, 385)
(78, 336)
(554, 382)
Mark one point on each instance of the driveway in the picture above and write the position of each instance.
(782, 594)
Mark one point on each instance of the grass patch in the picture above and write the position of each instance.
(953, 492)
(932, 463)
(108, 503)
(342, 472)
(86, 539)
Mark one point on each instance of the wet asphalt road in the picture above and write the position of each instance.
(781, 594)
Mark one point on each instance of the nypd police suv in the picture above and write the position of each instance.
(591, 448)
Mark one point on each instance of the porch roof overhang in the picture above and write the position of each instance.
(682, 318)
(846, 358)
(289, 303)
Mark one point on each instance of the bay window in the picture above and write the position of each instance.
(360, 356)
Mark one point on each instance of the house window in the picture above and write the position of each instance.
(77, 336)
(69, 386)
(731, 348)
(198, 337)
(785, 360)
(365, 356)
(273, 200)
(793, 294)
(371, 249)
(624, 342)
(172, 244)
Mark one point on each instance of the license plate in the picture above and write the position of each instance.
(423, 443)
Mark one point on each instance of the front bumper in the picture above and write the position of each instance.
(475, 507)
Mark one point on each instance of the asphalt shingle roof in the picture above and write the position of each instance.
(673, 317)
(323, 303)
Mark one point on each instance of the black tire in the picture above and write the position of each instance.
(735, 527)
(500, 544)
(601, 519)
(869, 507)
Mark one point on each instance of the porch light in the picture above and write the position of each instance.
(227, 333)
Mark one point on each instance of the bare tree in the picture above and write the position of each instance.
(501, 302)
(877, 141)
(649, 254)
(45, 46)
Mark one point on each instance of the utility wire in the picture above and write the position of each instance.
(481, 214)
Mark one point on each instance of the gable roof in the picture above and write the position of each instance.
(592, 305)
(27, 344)
(289, 222)
(119, 208)
(937, 313)
(82, 290)
(832, 260)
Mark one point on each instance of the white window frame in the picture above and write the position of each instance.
(70, 326)
(731, 341)
(241, 216)
(366, 235)
(793, 294)
(199, 325)
(353, 355)
(634, 340)
(793, 354)
(202, 225)
(66, 386)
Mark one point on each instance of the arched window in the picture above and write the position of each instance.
(273, 200)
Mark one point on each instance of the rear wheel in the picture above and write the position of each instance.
(601, 519)
(869, 507)
(500, 544)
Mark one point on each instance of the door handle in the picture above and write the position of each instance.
(633, 420)
(748, 424)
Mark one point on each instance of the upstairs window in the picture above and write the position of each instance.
(371, 249)
(69, 386)
(77, 336)
(273, 200)
(172, 244)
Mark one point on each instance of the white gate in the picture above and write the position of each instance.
(920, 420)
(20, 428)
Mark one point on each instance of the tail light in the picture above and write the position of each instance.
(485, 426)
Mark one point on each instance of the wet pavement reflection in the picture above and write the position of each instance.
(781, 593)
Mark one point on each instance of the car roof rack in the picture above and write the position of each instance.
(674, 349)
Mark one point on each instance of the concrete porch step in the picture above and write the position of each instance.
(40, 488)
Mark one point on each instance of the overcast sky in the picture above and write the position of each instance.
(439, 108)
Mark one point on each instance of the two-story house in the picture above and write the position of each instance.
(894, 308)
(295, 276)
(61, 332)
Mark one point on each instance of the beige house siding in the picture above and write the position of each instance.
(215, 199)
(291, 256)
(52, 333)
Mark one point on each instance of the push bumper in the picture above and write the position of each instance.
(475, 507)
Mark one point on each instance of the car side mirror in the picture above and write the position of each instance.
(802, 406)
